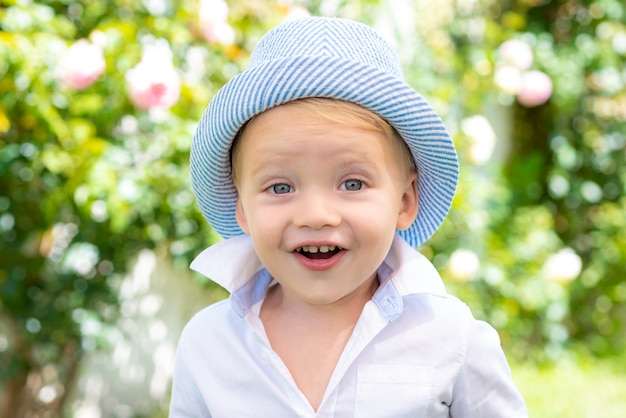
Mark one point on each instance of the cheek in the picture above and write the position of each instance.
(376, 227)
(264, 220)
(380, 212)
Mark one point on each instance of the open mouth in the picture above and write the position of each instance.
(323, 252)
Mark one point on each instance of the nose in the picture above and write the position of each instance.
(316, 211)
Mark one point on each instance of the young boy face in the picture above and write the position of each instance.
(321, 201)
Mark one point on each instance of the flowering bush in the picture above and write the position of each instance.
(545, 228)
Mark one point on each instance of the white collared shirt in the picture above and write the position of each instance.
(415, 351)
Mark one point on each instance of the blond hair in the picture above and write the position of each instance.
(343, 112)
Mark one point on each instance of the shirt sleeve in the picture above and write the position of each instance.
(484, 388)
(186, 400)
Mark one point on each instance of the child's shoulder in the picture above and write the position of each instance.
(447, 320)
(445, 313)
(443, 305)
(209, 319)
(450, 304)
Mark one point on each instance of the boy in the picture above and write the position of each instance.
(322, 170)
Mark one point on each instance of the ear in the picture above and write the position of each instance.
(240, 215)
(409, 203)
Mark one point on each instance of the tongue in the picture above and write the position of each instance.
(320, 256)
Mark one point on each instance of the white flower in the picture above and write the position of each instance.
(81, 258)
(508, 79)
(156, 7)
(482, 138)
(563, 266)
(463, 264)
(619, 43)
(213, 21)
(81, 65)
(296, 12)
(516, 53)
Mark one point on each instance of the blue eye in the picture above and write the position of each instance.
(352, 185)
(281, 188)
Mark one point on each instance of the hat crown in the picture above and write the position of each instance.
(331, 37)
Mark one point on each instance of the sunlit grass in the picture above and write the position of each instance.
(573, 389)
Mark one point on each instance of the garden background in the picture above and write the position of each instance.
(98, 105)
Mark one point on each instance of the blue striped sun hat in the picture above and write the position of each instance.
(332, 58)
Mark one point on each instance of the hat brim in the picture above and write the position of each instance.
(273, 83)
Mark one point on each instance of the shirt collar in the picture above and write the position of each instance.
(411, 272)
(234, 265)
(230, 263)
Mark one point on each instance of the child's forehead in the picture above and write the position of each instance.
(317, 121)
(288, 134)
(327, 113)
(302, 127)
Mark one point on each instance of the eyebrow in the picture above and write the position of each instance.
(274, 161)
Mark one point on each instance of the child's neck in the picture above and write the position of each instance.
(310, 338)
(351, 305)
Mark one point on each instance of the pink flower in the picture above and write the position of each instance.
(535, 89)
(516, 53)
(213, 21)
(81, 65)
(154, 82)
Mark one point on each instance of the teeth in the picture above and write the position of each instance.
(314, 249)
